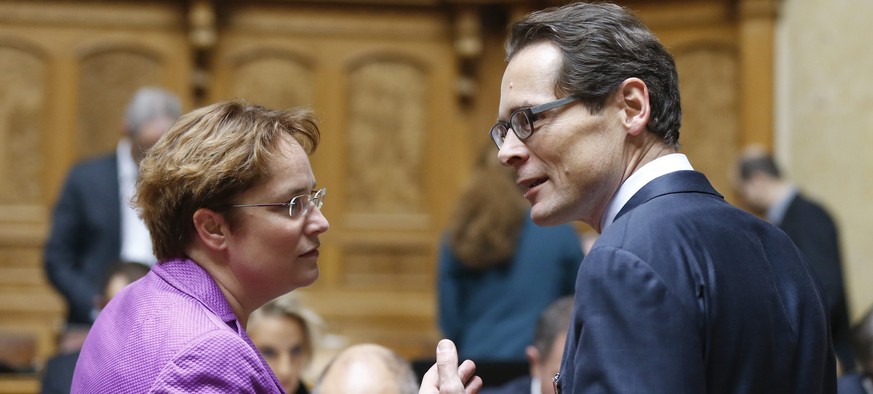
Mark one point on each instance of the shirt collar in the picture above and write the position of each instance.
(127, 168)
(645, 174)
(776, 212)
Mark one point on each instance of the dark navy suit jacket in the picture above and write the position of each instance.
(684, 293)
(520, 385)
(85, 238)
(813, 231)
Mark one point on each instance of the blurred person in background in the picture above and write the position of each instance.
(285, 332)
(233, 210)
(544, 354)
(498, 270)
(93, 223)
(763, 189)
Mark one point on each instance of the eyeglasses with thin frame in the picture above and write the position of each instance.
(521, 121)
(299, 206)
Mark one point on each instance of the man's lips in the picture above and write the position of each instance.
(528, 184)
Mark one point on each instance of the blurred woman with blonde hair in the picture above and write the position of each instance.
(286, 334)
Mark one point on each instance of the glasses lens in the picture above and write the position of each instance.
(318, 197)
(498, 134)
(300, 205)
(520, 124)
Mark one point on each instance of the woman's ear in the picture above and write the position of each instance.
(211, 228)
(634, 103)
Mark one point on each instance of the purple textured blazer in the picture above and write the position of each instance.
(172, 331)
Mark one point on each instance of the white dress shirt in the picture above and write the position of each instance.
(647, 173)
(136, 244)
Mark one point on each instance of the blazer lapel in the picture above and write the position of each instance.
(674, 182)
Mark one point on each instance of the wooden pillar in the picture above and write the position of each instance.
(757, 19)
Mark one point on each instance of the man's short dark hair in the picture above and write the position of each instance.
(759, 164)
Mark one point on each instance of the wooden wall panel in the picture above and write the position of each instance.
(108, 78)
(274, 78)
(710, 116)
(23, 75)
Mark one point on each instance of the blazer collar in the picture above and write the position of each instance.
(674, 182)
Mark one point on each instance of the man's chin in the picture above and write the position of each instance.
(543, 217)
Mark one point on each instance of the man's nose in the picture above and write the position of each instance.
(513, 150)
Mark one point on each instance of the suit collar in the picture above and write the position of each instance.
(674, 182)
(660, 166)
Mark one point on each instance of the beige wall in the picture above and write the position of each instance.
(824, 122)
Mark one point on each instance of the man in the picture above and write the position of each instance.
(93, 224)
(682, 293)
(544, 355)
(367, 369)
(763, 189)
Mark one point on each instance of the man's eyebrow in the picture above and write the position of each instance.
(523, 104)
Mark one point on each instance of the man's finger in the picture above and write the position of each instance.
(430, 381)
(466, 370)
(474, 385)
(447, 367)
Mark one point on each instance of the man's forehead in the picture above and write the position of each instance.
(530, 75)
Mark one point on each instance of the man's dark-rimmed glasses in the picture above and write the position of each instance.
(521, 121)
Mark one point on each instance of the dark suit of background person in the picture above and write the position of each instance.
(544, 353)
(86, 237)
(861, 381)
(811, 228)
(497, 270)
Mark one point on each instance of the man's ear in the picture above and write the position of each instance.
(533, 359)
(211, 228)
(634, 103)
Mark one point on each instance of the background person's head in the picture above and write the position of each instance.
(367, 369)
(544, 355)
(285, 332)
(758, 180)
(222, 156)
(149, 115)
(123, 274)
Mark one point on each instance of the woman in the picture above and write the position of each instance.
(229, 199)
(285, 332)
(497, 270)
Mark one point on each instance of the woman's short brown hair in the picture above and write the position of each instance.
(210, 156)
